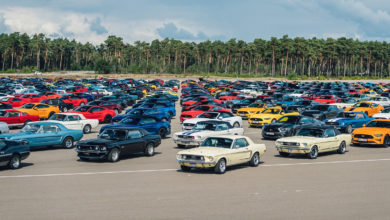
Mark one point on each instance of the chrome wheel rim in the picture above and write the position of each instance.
(68, 143)
(114, 155)
(343, 147)
(314, 152)
(349, 129)
(222, 166)
(87, 129)
(256, 159)
(116, 111)
(15, 162)
(150, 149)
(236, 125)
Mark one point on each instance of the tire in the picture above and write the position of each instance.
(386, 142)
(349, 129)
(116, 111)
(283, 154)
(184, 168)
(68, 143)
(162, 132)
(87, 129)
(25, 123)
(113, 156)
(164, 119)
(64, 109)
(50, 114)
(255, 160)
(313, 154)
(14, 163)
(81, 104)
(273, 121)
(342, 148)
(236, 125)
(107, 119)
(149, 150)
(220, 167)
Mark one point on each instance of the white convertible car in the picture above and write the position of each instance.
(75, 121)
(204, 129)
(235, 121)
(384, 114)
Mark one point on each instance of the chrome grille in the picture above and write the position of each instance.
(363, 136)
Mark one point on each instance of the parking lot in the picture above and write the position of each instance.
(55, 184)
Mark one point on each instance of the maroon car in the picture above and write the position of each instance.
(117, 108)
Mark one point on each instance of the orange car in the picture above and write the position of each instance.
(375, 132)
(40, 109)
(367, 107)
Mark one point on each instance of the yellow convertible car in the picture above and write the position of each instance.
(218, 152)
(42, 110)
(267, 116)
(252, 108)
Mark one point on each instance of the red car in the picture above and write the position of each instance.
(15, 118)
(34, 98)
(193, 113)
(76, 101)
(117, 108)
(15, 102)
(327, 99)
(104, 115)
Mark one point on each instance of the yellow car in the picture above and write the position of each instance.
(369, 108)
(252, 108)
(268, 116)
(42, 110)
(376, 132)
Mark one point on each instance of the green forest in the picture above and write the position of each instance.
(284, 56)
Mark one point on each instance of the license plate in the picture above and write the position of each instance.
(362, 140)
(192, 164)
(255, 122)
(242, 114)
(270, 133)
(188, 128)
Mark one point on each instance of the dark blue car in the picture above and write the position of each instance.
(348, 121)
(163, 107)
(12, 152)
(151, 124)
(160, 115)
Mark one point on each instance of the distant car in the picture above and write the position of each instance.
(75, 121)
(219, 152)
(15, 118)
(102, 114)
(13, 152)
(41, 134)
(193, 113)
(347, 121)
(160, 115)
(322, 112)
(14, 101)
(75, 101)
(117, 108)
(235, 121)
(44, 111)
(63, 106)
(384, 114)
(268, 116)
(314, 140)
(367, 107)
(113, 143)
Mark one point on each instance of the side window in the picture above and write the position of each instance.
(41, 106)
(13, 114)
(216, 108)
(241, 142)
(50, 128)
(96, 109)
(306, 120)
(329, 133)
(359, 116)
(148, 120)
(222, 127)
(134, 134)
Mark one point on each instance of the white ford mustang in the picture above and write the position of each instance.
(75, 121)
(235, 121)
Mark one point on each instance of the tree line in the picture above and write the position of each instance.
(274, 57)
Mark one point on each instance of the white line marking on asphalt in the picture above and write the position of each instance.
(168, 170)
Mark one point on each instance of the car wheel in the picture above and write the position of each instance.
(162, 132)
(273, 121)
(81, 104)
(51, 113)
(342, 148)
(313, 153)
(68, 143)
(113, 156)
(185, 168)
(164, 119)
(255, 161)
(64, 109)
(386, 141)
(87, 129)
(220, 167)
(14, 163)
(236, 125)
(25, 123)
(149, 150)
(349, 129)
(116, 111)
(283, 154)
(107, 119)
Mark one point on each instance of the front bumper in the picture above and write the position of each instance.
(92, 154)
(196, 164)
(258, 123)
(273, 135)
(293, 150)
(193, 143)
(372, 141)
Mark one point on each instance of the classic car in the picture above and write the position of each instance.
(383, 101)
(288, 126)
(164, 107)
(44, 111)
(347, 121)
(75, 121)
(322, 112)
(384, 114)
(160, 115)
(32, 98)
(15, 118)
(4, 128)
(314, 140)
(12, 152)
(113, 143)
(63, 106)
(376, 132)
(117, 108)
(193, 113)
(150, 124)
(218, 152)
(268, 116)
(367, 107)
(252, 108)
(235, 121)
(102, 114)
(345, 103)
(204, 129)
(42, 134)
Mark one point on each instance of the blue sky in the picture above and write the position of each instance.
(197, 20)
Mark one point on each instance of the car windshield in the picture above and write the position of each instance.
(82, 109)
(204, 126)
(217, 142)
(379, 124)
(208, 115)
(346, 115)
(113, 134)
(3, 113)
(256, 105)
(271, 111)
(289, 120)
(136, 112)
(31, 128)
(386, 110)
(94, 103)
(129, 121)
(362, 105)
(320, 107)
(201, 108)
(28, 106)
(58, 117)
(310, 132)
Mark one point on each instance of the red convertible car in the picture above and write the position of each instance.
(76, 101)
(193, 113)
(15, 118)
(104, 115)
(327, 99)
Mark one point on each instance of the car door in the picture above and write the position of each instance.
(50, 134)
(241, 152)
(149, 124)
(73, 122)
(43, 110)
(96, 113)
(330, 141)
(13, 118)
(135, 142)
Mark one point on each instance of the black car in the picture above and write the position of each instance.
(287, 126)
(113, 143)
(301, 106)
(322, 112)
(63, 106)
(13, 152)
(5, 106)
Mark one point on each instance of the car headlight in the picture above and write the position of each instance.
(283, 129)
(342, 123)
(210, 158)
(96, 148)
(103, 148)
(378, 135)
(305, 144)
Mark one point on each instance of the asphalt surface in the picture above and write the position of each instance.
(55, 184)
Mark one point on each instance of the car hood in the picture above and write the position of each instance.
(206, 151)
(195, 133)
(371, 130)
(263, 116)
(299, 139)
(96, 141)
(339, 119)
